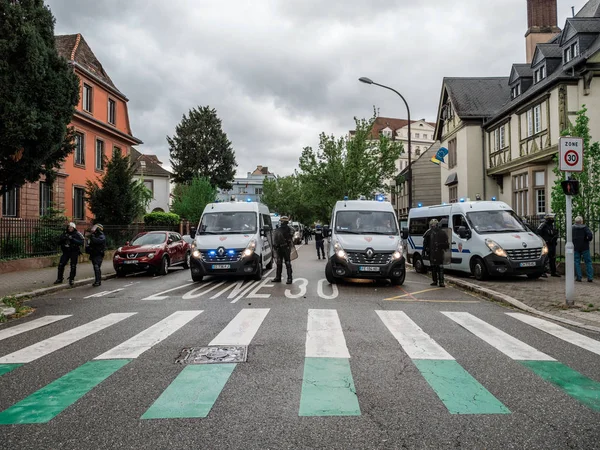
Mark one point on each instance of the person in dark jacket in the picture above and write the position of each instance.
(582, 236)
(96, 248)
(549, 233)
(282, 244)
(70, 243)
(306, 234)
(435, 245)
(319, 241)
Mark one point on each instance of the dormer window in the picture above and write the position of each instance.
(515, 91)
(571, 52)
(387, 133)
(539, 74)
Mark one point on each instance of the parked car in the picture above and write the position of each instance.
(154, 252)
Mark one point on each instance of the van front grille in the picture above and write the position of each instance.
(525, 254)
(376, 259)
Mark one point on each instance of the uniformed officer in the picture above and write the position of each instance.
(319, 241)
(435, 244)
(96, 249)
(70, 243)
(282, 243)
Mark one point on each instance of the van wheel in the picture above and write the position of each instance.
(196, 277)
(534, 276)
(329, 274)
(398, 281)
(479, 270)
(418, 264)
(259, 272)
(186, 261)
(164, 266)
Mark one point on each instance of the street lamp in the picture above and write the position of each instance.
(409, 173)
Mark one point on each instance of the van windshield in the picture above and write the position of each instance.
(233, 222)
(366, 222)
(499, 221)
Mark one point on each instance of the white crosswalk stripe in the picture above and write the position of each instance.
(242, 327)
(324, 336)
(37, 323)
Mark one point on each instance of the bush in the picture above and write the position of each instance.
(162, 219)
(45, 238)
(12, 248)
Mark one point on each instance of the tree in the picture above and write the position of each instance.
(190, 199)
(351, 167)
(587, 203)
(38, 95)
(118, 198)
(200, 148)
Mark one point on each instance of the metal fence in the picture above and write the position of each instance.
(594, 225)
(25, 238)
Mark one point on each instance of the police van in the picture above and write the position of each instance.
(232, 239)
(487, 238)
(364, 242)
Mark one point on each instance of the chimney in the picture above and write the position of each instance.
(541, 24)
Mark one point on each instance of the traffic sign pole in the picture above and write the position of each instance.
(569, 252)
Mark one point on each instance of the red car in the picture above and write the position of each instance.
(154, 251)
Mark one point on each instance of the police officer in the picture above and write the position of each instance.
(70, 243)
(306, 232)
(549, 233)
(435, 244)
(319, 241)
(282, 243)
(96, 248)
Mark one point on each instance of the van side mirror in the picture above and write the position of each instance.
(464, 233)
(193, 233)
(264, 230)
(404, 233)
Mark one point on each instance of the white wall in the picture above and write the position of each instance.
(162, 190)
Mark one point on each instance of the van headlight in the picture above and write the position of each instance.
(339, 251)
(196, 253)
(544, 250)
(495, 248)
(398, 253)
(250, 249)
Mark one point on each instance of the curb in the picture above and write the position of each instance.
(503, 298)
(61, 287)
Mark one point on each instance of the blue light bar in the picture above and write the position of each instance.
(420, 205)
(380, 198)
(249, 200)
(493, 199)
(346, 197)
(462, 200)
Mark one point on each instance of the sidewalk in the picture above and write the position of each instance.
(546, 295)
(14, 283)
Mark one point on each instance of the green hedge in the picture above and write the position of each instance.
(162, 218)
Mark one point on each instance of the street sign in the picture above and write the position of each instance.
(571, 154)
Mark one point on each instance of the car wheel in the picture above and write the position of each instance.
(120, 273)
(259, 272)
(418, 264)
(329, 273)
(534, 276)
(479, 270)
(164, 266)
(186, 261)
(399, 281)
(197, 277)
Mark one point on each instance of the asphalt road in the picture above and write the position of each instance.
(379, 367)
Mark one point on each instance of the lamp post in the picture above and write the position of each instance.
(409, 173)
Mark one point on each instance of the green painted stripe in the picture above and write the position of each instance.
(193, 393)
(578, 386)
(48, 402)
(5, 368)
(328, 388)
(457, 389)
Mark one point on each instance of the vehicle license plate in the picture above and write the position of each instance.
(130, 262)
(368, 269)
(528, 264)
(221, 266)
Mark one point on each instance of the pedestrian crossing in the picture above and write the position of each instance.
(327, 385)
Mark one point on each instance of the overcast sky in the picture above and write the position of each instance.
(279, 72)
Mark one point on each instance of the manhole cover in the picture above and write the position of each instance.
(213, 355)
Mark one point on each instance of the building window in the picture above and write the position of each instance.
(10, 203)
(99, 154)
(453, 194)
(387, 133)
(87, 97)
(149, 184)
(539, 74)
(418, 151)
(571, 52)
(417, 136)
(46, 196)
(452, 153)
(78, 203)
(79, 149)
(520, 194)
(112, 111)
(539, 179)
(537, 119)
(258, 191)
(516, 91)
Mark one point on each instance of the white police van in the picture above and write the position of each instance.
(364, 242)
(488, 238)
(233, 238)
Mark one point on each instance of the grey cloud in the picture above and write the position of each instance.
(281, 71)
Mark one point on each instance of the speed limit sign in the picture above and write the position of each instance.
(571, 154)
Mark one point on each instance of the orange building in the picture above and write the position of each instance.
(101, 123)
